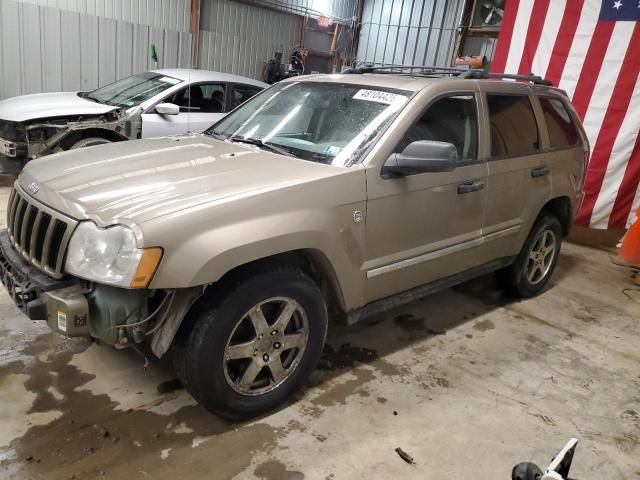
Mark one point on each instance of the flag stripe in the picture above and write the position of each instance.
(591, 67)
(517, 41)
(611, 124)
(548, 37)
(619, 167)
(534, 32)
(579, 46)
(506, 32)
(566, 33)
(622, 206)
(594, 119)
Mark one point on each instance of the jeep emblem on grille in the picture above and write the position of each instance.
(33, 188)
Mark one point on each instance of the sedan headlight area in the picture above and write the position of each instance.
(110, 255)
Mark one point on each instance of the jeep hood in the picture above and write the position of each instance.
(47, 105)
(136, 181)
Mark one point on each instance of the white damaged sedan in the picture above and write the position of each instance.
(149, 104)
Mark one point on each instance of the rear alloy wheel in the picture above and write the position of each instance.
(532, 268)
(252, 341)
(541, 256)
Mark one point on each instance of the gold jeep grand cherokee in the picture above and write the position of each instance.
(335, 192)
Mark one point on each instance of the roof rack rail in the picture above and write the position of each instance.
(479, 74)
(404, 69)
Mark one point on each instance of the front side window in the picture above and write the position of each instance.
(513, 125)
(203, 98)
(132, 91)
(562, 130)
(329, 122)
(453, 120)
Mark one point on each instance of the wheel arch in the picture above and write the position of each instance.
(312, 262)
(560, 207)
(76, 135)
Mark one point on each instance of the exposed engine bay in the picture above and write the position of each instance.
(21, 142)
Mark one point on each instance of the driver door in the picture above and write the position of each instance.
(200, 107)
(428, 226)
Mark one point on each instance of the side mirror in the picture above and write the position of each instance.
(167, 109)
(421, 157)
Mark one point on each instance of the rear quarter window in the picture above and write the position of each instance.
(562, 130)
(513, 126)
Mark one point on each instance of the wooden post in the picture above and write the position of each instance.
(194, 28)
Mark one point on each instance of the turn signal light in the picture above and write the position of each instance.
(147, 267)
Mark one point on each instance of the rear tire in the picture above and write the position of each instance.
(252, 343)
(89, 142)
(529, 273)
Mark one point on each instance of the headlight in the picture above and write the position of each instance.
(110, 255)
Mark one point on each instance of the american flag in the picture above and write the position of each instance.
(590, 49)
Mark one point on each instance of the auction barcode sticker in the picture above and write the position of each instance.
(387, 98)
(62, 321)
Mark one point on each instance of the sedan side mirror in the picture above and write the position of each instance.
(167, 109)
(421, 157)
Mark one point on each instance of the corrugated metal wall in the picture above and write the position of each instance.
(409, 32)
(339, 9)
(168, 14)
(44, 49)
(240, 38)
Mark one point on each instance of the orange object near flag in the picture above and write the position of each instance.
(629, 253)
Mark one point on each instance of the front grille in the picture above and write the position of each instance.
(39, 233)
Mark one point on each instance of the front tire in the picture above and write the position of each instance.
(529, 273)
(89, 142)
(252, 343)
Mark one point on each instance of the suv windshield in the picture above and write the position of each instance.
(132, 91)
(329, 123)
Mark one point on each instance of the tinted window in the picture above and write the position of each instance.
(452, 120)
(513, 125)
(205, 98)
(242, 93)
(562, 131)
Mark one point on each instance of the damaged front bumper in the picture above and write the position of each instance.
(74, 307)
(61, 302)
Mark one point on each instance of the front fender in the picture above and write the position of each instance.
(201, 256)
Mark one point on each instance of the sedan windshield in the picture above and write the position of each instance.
(331, 123)
(132, 91)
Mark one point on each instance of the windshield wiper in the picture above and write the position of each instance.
(216, 135)
(259, 143)
(87, 96)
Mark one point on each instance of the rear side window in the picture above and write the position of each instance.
(242, 93)
(452, 120)
(562, 130)
(513, 125)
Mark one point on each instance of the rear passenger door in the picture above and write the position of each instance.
(519, 182)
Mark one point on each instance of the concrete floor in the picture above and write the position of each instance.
(465, 381)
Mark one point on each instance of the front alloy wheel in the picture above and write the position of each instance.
(252, 340)
(266, 346)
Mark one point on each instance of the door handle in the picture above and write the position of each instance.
(469, 187)
(540, 172)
